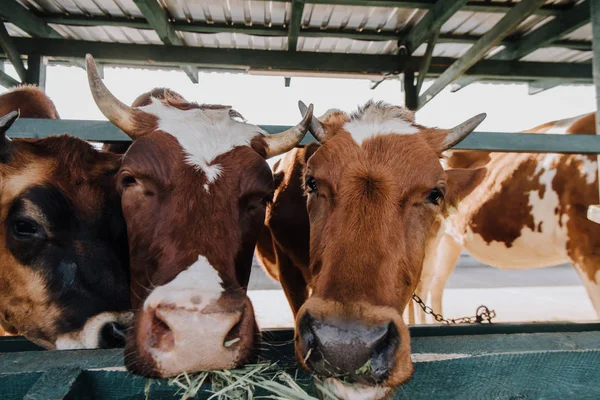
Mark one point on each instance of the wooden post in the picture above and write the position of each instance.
(36, 70)
(594, 211)
(410, 91)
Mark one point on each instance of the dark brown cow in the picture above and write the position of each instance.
(194, 186)
(63, 245)
(374, 191)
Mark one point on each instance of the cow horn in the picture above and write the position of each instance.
(459, 132)
(317, 129)
(283, 142)
(5, 122)
(118, 113)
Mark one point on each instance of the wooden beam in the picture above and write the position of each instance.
(431, 22)
(14, 12)
(159, 21)
(426, 61)
(594, 211)
(410, 90)
(11, 52)
(462, 82)
(7, 81)
(560, 26)
(536, 87)
(489, 40)
(295, 24)
(36, 70)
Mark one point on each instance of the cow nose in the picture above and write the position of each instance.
(191, 336)
(111, 335)
(361, 352)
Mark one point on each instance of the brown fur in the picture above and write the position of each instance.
(31, 102)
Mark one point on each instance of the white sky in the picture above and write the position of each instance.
(265, 100)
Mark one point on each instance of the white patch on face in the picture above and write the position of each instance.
(366, 128)
(88, 337)
(345, 391)
(204, 134)
(199, 280)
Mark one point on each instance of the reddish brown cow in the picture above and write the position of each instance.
(194, 186)
(63, 248)
(373, 191)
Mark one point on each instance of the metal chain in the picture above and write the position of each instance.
(482, 315)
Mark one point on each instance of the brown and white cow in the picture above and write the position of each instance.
(194, 186)
(349, 226)
(63, 246)
(528, 212)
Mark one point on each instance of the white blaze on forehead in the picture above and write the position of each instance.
(376, 120)
(204, 134)
(199, 280)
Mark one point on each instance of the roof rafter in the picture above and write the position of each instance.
(13, 55)
(295, 24)
(158, 20)
(7, 80)
(490, 39)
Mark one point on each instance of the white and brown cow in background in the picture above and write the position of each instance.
(63, 245)
(194, 186)
(347, 233)
(530, 211)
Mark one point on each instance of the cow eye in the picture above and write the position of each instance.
(311, 185)
(128, 180)
(435, 197)
(25, 229)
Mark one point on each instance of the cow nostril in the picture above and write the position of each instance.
(384, 353)
(308, 340)
(236, 333)
(162, 337)
(111, 335)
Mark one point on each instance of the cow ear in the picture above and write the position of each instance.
(461, 182)
(5, 123)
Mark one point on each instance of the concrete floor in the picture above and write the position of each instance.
(546, 294)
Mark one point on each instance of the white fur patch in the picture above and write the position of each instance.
(88, 337)
(365, 128)
(561, 127)
(200, 280)
(588, 168)
(204, 134)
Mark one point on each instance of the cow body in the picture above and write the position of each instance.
(63, 245)
(529, 212)
(347, 234)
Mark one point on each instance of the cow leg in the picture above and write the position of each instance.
(293, 282)
(448, 254)
(592, 287)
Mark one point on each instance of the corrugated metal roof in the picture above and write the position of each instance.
(277, 14)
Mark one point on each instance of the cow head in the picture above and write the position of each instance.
(63, 245)
(194, 185)
(375, 189)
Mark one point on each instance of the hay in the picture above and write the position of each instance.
(243, 383)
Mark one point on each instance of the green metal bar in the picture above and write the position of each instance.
(11, 52)
(55, 384)
(36, 70)
(410, 90)
(14, 12)
(426, 61)
(595, 19)
(560, 26)
(295, 24)
(159, 21)
(536, 87)
(441, 12)
(490, 39)
(7, 81)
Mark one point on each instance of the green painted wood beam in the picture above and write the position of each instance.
(203, 27)
(36, 70)
(411, 95)
(536, 87)
(437, 15)
(295, 23)
(11, 52)
(8, 81)
(560, 26)
(159, 21)
(14, 12)
(286, 62)
(54, 384)
(426, 61)
(489, 40)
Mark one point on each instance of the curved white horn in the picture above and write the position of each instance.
(118, 113)
(317, 129)
(459, 132)
(283, 142)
